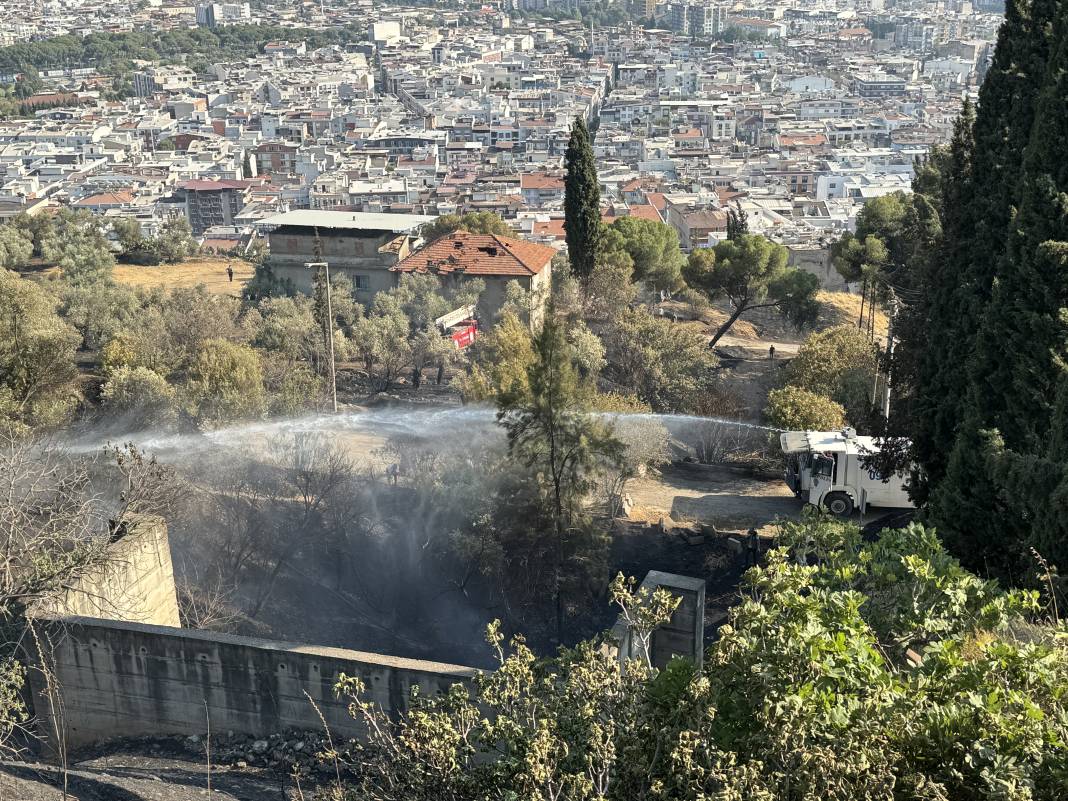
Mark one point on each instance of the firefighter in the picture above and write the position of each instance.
(752, 548)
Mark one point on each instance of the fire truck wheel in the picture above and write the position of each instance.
(839, 504)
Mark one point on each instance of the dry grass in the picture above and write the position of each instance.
(210, 271)
(837, 308)
(207, 270)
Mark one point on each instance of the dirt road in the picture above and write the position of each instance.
(726, 499)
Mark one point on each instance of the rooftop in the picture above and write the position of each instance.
(478, 254)
(360, 221)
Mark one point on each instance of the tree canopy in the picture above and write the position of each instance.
(653, 248)
(477, 222)
(752, 273)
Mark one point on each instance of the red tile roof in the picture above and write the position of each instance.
(106, 199)
(537, 180)
(553, 228)
(478, 254)
(646, 212)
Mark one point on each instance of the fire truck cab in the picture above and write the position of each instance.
(826, 468)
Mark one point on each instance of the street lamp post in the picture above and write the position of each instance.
(329, 330)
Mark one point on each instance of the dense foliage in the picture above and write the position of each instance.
(793, 408)
(839, 364)
(115, 53)
(850, 669)
(972, 269)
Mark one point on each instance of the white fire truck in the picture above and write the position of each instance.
(826, 468)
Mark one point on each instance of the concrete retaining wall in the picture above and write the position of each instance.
(118, 679)
(133, 582)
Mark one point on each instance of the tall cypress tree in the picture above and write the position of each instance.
(1000, 146)
(582, 203)
(1037, 485)
(977, 215)
(1033, 291)
(932, 334)
(1013, 369)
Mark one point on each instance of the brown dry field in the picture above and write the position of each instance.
(207, 270)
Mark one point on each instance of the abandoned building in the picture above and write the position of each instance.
(496, 260)
(362, 246)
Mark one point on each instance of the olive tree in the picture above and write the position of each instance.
(38, 376)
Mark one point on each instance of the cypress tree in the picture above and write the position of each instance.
(1014, 370)
(1000, 144)
(1037, 485)
(582, 203)
(1031, 293)
(978, 205)
(931, 334)
(737, 223)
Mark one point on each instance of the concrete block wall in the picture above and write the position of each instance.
(683, 635)
(134, 582)
(121, 679)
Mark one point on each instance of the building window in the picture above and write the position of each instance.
(360, 283)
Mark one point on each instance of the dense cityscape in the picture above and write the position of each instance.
(534, 400)
(797, 113)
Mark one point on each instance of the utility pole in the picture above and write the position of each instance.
(328, 328)
(889, 352)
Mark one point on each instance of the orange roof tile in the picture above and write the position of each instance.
(553, 228)
(106, 199)
(646, 212)
(538, 180)
(478, 254)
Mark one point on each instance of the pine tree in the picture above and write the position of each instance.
(582, 203)
(549, 432)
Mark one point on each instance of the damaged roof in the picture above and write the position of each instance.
(478, 254)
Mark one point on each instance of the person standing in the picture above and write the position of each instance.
(230, 272)
(752, 548)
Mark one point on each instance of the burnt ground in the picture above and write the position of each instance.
(386, 603)
(136, 772)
